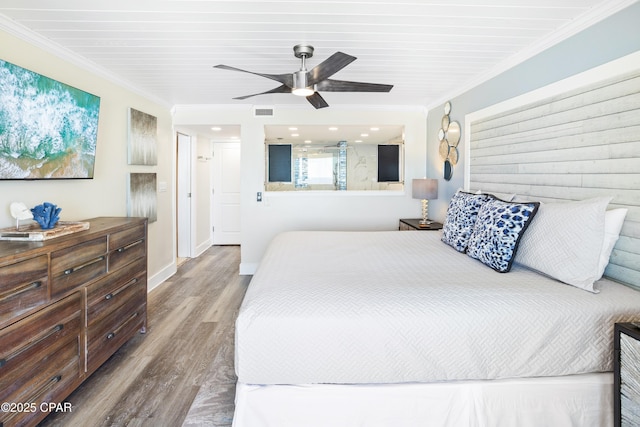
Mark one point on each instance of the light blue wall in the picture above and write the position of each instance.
(612, 38)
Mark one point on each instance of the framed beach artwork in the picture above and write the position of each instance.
(48, 129)
(143, 133)
(142, 196)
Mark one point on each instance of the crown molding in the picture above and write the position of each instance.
(23, 33)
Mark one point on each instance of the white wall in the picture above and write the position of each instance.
(312, 211)
(106, 193)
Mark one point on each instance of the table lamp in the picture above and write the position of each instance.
(424, 189)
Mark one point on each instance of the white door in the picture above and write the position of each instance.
(226, 193)
(183, 186)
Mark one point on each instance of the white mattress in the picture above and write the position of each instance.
(398, 307)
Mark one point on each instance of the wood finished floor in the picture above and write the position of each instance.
(180, 373)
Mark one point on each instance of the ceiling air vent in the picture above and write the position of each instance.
(263, 112)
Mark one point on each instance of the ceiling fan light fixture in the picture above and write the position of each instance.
(300, 84)
(303, 91)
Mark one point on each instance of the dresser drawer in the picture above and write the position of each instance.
(126, 237)
(112, 291)
(34, 348)
(23, 286)
(127, 253)
(49, 386)
(77, 265)
(106, 336)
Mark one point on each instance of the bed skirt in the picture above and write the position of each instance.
(577, 400)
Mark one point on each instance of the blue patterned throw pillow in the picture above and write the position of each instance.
(461, 216)
(497, 232)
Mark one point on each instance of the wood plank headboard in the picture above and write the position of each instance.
(573, 140)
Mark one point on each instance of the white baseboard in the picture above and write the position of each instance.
(161, 276)
(200, 249)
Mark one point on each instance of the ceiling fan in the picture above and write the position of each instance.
(308, 83)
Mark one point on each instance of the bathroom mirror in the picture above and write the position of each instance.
(334, 158)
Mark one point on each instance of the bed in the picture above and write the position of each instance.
(420, 329)
(398, 328)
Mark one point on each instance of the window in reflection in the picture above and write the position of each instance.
(334, 158)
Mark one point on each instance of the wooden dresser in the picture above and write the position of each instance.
(66, 305)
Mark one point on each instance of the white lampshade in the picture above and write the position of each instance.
(424, 189)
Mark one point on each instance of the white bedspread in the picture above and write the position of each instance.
(398, 307)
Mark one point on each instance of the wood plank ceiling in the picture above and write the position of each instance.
(427, 49)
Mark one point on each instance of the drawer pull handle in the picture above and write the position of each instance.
(122, 288)
(33, 343)
(116, 331)
(20, 290)
(130, 245)
(81, 266)
(45, 387)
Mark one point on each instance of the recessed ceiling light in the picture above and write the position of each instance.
(364, 134)
(294, 135)
(358, 140)
(375, 129)
(293, 128)
(307, 141)
(216, 128)
(333, 128)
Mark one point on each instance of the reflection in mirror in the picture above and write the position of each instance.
(443, 149)
(453, 134)
(448, 170)
(341, 158)
(453, 155)
(445, 122)
(447, 107)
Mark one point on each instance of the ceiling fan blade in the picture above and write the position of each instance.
(286, 79)
(279, 89)
(328, 67)
(330, 85)
(317, 101)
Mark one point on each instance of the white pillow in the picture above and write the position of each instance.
(564, 241)
(613, 221)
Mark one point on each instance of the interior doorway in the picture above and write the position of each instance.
(225, 206)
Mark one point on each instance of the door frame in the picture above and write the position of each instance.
(185, 155)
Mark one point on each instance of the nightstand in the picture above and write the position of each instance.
(413, 224)
(626, 380)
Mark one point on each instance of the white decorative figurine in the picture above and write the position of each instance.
(19, 211)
